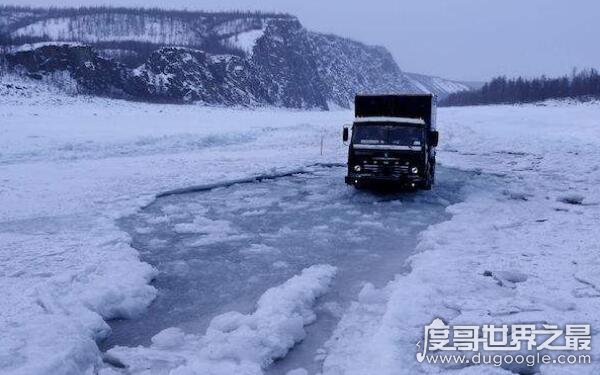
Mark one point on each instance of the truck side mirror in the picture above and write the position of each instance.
(345, 134)
(434, 138)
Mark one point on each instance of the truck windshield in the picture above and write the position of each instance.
(387, 135)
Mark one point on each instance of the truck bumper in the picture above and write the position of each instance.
(362, 179)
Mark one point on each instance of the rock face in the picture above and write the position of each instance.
(180, 74)
(228, 59)
(348, 68)
(93, 74)
(287, 65)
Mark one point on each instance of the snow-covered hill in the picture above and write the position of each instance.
(436, 85)
(248, 59)
(109, 25)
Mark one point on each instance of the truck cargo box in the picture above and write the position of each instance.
(408, 106)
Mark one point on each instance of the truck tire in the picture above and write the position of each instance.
(428, 184)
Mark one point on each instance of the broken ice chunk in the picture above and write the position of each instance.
(507, 278)
(169, 338)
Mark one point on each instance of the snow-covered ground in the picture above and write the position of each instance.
(521, 247)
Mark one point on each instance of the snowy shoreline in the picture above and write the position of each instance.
(64, 261)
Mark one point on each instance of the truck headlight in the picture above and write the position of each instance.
(414, 170)
(357, 168)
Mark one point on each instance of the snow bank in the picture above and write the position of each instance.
(521, 248)
(235, 343)
(58, 290)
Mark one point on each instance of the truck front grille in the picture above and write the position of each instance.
(386, 170)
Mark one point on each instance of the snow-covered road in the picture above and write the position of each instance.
(522, 246)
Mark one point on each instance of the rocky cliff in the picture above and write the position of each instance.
(246, 59)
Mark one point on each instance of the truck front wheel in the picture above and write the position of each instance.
(428, 183)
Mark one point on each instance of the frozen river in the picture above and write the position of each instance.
(221, 249)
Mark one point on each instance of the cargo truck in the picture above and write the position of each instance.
(393, 141)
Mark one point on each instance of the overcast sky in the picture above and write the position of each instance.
(460, 39)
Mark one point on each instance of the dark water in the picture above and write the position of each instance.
(219, 250)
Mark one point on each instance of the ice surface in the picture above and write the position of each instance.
(293, 230)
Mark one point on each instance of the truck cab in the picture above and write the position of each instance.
(393, 141)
